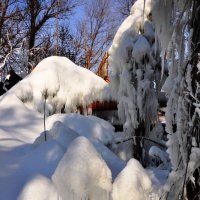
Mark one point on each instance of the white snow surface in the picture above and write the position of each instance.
(40, 188)
(82, 173)
(64, 85)
(88, 126)
(133, 183)
(28, 162)
(59, 132)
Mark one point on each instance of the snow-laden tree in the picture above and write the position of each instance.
(135, 60)
(177, 29)
(135, 78)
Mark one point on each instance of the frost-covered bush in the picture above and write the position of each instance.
(64, 85)
(134, 68)
(154, 29)
(175, 33)
(136, 74)
(159, 157)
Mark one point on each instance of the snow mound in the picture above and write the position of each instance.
(133, 183)
(43, 159)
(60, 133)
(88, 126)
(40, 188)
(114, 163)
(82, 173)
(18, 121)
(63, 84)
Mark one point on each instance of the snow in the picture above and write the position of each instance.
(28, 161)
(175, 37)
(29, 166)
(11, 108)
(133, 68)
(62, 134)
(16, 172)
(82, 173)
(88, 126)
(65, 86)
(80, 158)
(114, 162)
(40, 188)
(133, 183)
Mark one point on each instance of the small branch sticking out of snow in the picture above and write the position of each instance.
(8, 55)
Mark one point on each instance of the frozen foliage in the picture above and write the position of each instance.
(65, 86)
(181, 88)
(194, 161)
(157, 131)
(136, 73)
(133, 183)
(163, 25)
(135, 69)
(159, 156)
(82, 173)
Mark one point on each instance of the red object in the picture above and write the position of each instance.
(107, 105)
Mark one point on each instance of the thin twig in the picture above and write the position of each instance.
(45, 99)
(145, 138)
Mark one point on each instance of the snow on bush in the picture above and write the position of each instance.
(134, 68)
(133, 183)
(40, 188)
(175, 33)
(82, 173)
(63, 84)
(159, 156)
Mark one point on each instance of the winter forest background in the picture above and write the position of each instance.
(52, 146)
(79, 30)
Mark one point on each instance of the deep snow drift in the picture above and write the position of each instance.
(74, 160)
(64, 85)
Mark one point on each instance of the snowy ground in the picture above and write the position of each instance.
(74, 161)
